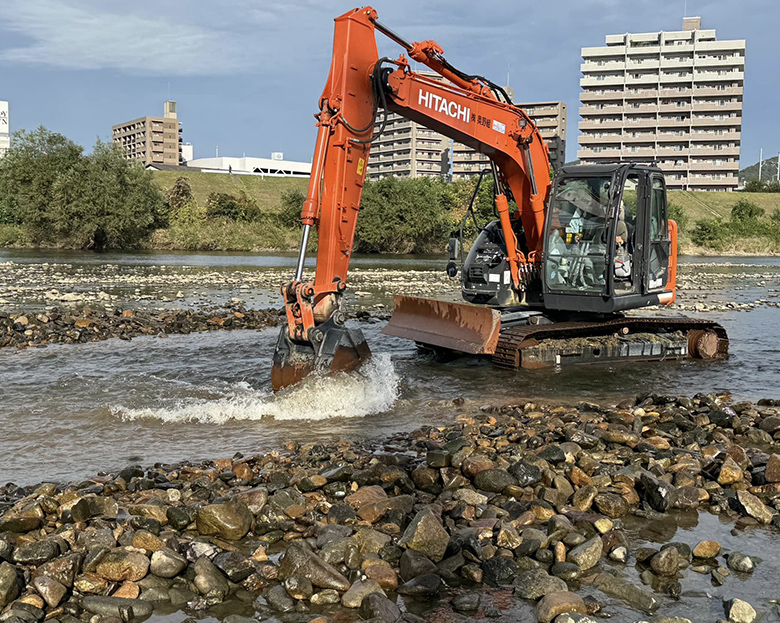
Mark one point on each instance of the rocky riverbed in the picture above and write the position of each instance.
(58, 326)
(520, 512)
(28, 286)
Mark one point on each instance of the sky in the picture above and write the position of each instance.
(247, 74)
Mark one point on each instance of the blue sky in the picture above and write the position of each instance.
(247, 73)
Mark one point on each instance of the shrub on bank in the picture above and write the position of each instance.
(746, 230)
(58, 196)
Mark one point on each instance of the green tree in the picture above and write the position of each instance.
(709, 232)
(404, 216)
(105, 201)
(677, 214)
(289, 214)
(179, 195)
(28, 175)
(755, 186)
(224, 205)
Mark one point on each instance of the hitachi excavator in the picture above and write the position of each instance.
(546, 284)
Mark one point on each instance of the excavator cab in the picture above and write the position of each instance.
(607, 240)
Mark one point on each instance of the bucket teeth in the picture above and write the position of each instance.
(335, 349)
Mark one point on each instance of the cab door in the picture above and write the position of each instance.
(657, 241)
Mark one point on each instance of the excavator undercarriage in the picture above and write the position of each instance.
(521, 338)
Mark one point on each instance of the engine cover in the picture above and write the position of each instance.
(485, 277)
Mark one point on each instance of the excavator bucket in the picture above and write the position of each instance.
(335, 349)
(454, 326)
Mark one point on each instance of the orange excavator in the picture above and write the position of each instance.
(546, 283)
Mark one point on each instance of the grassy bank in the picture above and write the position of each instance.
(266, 191)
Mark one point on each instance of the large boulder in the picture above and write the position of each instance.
(231, 520)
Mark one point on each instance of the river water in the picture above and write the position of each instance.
(69, 411)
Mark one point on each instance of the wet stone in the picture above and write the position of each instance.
(379, 607)
(231, 520)
(623, 590)
(299, 588)
(754, 507)
(494, 480)
(328, 596)
(123, 609)
(536, 583)
(10, 585)
(567, 571)
(466, 602)
(739, 611)
(353, 598)
(36, 553)
(587, 555)
(526, 474)
(611, 505)
(166, 563)
(279, 600)
(299, 561)
(425, 585)
(499, 570)
(553, 604)
(119, 565)
(426, 535)
(234, 565)
(413, 563)
(50, 589)
(740, 562)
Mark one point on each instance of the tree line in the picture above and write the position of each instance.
(53, 194)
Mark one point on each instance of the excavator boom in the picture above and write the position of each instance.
(469, 109)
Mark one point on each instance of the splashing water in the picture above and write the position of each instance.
(373, 388)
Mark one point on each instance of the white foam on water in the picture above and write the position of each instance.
(373, 388)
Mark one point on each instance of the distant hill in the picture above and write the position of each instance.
(768, 172)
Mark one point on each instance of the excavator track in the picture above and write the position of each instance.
(618, 339)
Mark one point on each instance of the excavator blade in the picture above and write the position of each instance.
(454, 326)
(339, 350)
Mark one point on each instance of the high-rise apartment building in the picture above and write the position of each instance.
(672, 98)
(408, 149)
(5, 131)
(152, 140)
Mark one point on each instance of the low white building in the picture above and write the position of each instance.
(275, 167)
(5, 132)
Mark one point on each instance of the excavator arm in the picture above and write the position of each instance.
(468, 109)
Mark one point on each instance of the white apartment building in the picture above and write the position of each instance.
(5, 131)
(672, 98)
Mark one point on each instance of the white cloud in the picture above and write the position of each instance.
(63, 34)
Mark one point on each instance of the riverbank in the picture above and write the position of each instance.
(519, 512)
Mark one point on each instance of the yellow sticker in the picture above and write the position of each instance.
(361, 162)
